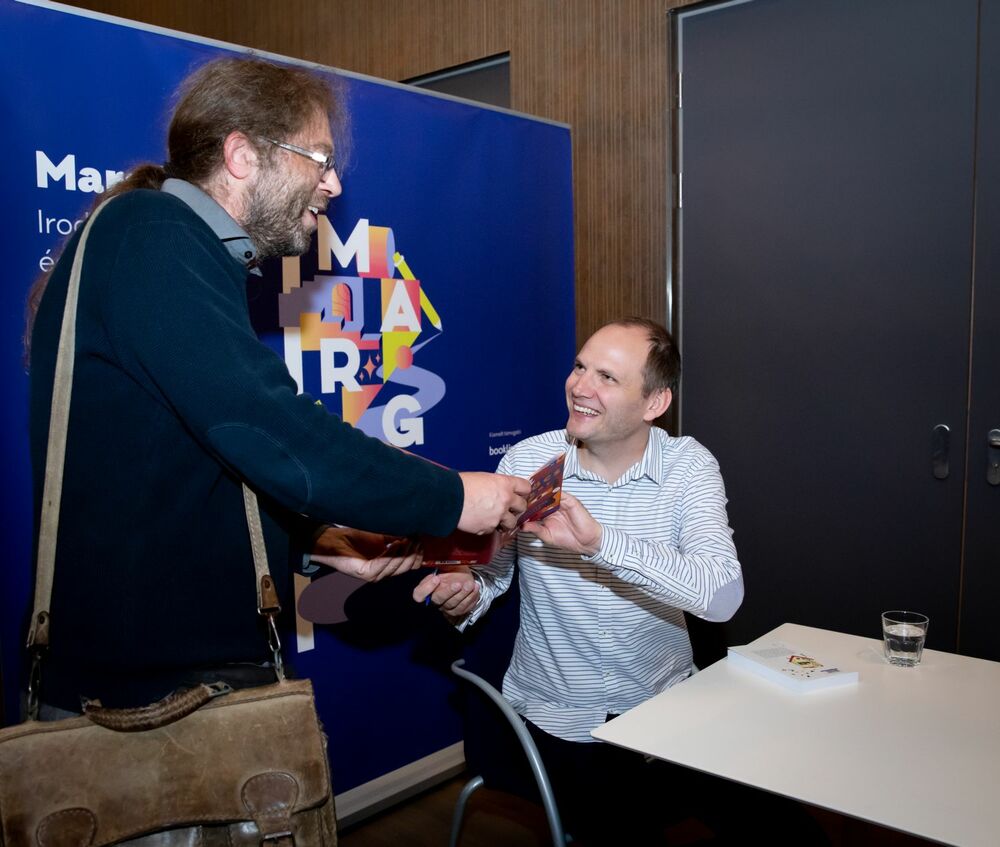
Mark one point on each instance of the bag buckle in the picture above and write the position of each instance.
(34, 678)
(274, 641)
(217, 689)
(278, 839)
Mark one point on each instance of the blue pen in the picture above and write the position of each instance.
(427, 599)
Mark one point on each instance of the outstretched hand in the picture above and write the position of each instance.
(370, 556)
(572, 527)
(492, 501)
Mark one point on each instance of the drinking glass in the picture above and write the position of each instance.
(903, 636)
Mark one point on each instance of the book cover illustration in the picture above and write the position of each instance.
(795, 669)
(464, 548)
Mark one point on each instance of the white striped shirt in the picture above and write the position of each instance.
(601, 634)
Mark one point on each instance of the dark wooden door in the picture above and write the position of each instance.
(825, 274)
(979, 634)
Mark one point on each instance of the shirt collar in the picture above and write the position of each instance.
(230, 233)
(651, 463)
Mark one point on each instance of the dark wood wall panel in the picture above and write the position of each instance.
(599, 65)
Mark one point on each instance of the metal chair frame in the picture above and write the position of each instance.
(530, 750)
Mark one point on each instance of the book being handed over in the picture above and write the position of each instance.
(465, 548)
(797, 670)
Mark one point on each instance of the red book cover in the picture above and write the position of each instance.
(465, 548)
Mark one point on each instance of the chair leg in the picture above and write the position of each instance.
(527, 744)
(463, 798)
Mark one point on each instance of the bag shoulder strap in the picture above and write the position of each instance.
(55, 456)
(62, 389)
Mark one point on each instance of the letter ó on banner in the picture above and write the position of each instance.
(328, 244)
(408, 431)
(45, 169)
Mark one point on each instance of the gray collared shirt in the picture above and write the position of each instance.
(230, 233)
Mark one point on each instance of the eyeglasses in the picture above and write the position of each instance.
(325, 161)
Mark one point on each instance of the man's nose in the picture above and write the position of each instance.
(330, 183)
(582, 383)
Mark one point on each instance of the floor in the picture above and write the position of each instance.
(495, 819)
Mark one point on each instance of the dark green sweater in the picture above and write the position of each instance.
(175, 401)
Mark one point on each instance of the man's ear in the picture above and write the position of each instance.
(658, 403)
(240, 155)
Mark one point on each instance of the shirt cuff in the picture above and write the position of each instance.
(473, 615)
(614, 546)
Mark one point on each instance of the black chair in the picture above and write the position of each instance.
(530, 750)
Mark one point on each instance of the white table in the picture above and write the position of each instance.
(913, 749)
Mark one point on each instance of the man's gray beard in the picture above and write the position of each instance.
(273, 219)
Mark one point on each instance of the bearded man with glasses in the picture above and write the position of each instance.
(176, 403)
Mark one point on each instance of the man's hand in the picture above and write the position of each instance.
(492, 501)
(367, 555)
(454, 591)
(572, 527)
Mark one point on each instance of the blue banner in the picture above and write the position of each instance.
(434, 311)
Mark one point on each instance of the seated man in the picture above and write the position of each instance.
(641, 537)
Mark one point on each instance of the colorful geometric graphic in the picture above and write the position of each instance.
(365, 331)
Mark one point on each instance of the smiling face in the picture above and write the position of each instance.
(289, 192)
(604, 392)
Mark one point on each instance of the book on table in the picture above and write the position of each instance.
(796, 670)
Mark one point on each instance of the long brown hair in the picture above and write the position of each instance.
(260, 99)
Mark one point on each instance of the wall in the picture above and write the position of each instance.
(601, 66)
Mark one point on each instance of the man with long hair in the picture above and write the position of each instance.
(176, 403)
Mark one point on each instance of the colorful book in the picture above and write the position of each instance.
(465, 548)
(796, 670)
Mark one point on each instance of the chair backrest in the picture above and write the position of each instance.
(527, 744)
